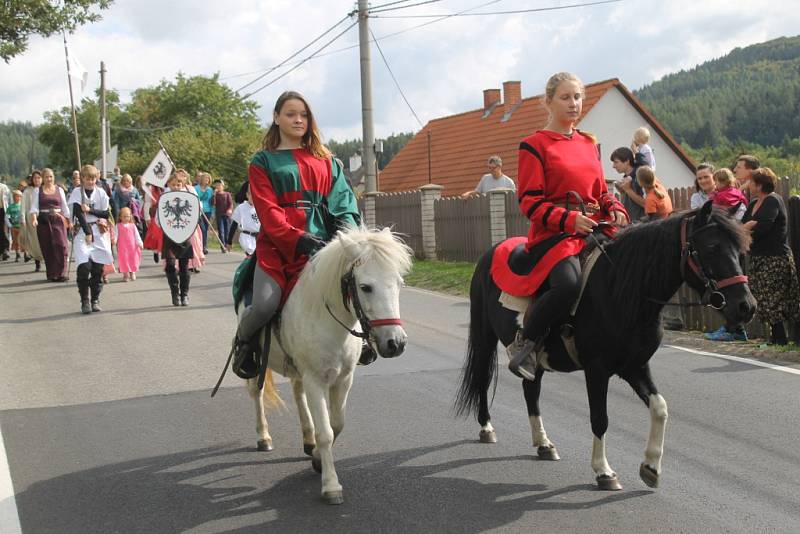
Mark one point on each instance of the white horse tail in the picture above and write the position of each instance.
(270, 393)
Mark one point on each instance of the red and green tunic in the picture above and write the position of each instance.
(552, 165)
(289, 188)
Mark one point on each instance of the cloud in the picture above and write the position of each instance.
(442, 68)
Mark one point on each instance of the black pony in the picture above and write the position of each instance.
(617, 325)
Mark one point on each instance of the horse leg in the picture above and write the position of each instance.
(597, 388)
(323, 456)
(642, 383)
(262, 428)
(306, 424)
(531, 389)
(338, 396)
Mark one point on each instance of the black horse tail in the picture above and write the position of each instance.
(480, 368)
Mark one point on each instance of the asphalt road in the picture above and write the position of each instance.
(108, 427)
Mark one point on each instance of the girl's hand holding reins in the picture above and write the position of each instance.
(619, 218)
(583, 224)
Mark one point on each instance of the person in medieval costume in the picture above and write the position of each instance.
(245, 219)
(178, 279)
(153, 239)
(301, 195)
(29, 235)
(91, 208)
(563, 192)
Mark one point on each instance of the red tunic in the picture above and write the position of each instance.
(154, 238)
(551, 165)
(288, 187)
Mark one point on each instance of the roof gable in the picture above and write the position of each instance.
(460, 144)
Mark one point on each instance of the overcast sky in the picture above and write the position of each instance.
(442, 67)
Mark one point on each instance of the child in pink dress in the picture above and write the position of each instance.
(129, 245)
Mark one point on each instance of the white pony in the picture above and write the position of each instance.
(355, 279)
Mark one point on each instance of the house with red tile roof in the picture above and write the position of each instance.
(452, 151)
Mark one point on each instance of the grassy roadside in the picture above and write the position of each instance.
(448, 277)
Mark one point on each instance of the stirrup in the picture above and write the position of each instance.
(245, 364)
(523, 355)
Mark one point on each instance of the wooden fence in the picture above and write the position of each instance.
(462, 228)
(403, 213)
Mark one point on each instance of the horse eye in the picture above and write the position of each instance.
(366, 288)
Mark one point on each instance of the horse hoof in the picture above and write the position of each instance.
(609, 483)
(488, 436)
(548, 452)
(264, 445)
(649, 476)
(308, 448)
(316, 464)
(333, 497)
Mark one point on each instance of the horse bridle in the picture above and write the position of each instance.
(689, 257)
(350, 295)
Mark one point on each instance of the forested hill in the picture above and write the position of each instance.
(751, 95)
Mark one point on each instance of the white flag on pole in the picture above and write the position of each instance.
(77, 72)
(159, 170)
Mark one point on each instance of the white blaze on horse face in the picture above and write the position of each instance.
(379, 295)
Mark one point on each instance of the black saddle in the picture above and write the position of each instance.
(522, 262)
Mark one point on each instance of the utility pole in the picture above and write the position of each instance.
(103, 139)
(72, 105)
(368, 128)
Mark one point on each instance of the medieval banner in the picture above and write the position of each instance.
(159, 170)
(178, 214)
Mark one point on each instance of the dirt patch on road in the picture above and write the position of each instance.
(757, 349)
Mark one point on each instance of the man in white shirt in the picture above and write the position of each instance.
(495, 179)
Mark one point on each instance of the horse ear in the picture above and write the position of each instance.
(705, 213)
(733, 209)
(349, 245)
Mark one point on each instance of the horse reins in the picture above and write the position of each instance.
(350, 294)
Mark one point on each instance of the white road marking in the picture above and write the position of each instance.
(757, 363)
(9, 516)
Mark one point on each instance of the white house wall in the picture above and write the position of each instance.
(613, 120)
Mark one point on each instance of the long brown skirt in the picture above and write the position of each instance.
(52, 234)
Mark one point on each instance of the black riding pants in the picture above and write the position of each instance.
(552, 304)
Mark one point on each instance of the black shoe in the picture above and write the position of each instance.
(522, 357)
(96, 306)
(368, 354)
(26, 257)
(245, 359)
(155, 257)
(16, 258)
(176, 299)
(38, 267)
(205, 251)
(5, 256)
(86, 307)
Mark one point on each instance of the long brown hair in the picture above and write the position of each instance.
(311, 139)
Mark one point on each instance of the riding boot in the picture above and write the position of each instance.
(247, 356)
(96, 286)
(184, 288)
(83, 290)
(368, 354)
(174, 287)
(523, 354)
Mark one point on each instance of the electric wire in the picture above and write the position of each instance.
(511, 12)
(272, 69)
(378, 10)
(323, 47)
(396, 83)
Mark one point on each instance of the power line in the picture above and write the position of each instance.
(514, 12)
(323, 47)
(377, 9)
(272, 69)
(396, 83)
(391, 4)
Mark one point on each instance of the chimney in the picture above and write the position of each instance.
(491, 97)
(512, 97)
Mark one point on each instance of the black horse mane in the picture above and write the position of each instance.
(644, 257)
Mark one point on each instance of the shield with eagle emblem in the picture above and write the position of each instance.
(178, 214)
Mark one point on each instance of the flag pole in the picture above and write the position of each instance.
(203, 213)
(72, 105)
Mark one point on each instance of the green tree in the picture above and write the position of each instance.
(202, 123)
(20, 19)
(19, 150)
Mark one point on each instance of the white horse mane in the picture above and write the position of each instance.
(321, 278)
